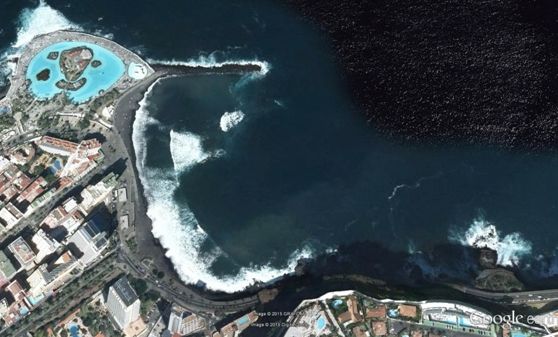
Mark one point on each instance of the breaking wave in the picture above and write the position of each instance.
(41, 20)
(33, 22)
(176, 226)
(511, 248)
(230, 119)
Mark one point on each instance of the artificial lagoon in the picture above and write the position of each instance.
(44, 72)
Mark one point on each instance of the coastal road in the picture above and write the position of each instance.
(186, 297)
(520, 297)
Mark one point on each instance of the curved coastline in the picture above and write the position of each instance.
(124, 116)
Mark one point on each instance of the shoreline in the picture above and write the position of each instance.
(124, 116)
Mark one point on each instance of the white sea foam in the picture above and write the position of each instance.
(230, 119)
(186, 150)
(40, 20)
(279, 103)
(33, 22)
(413, 186)
(482, 234)
(176, 226)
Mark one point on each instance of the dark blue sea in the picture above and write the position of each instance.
(246, 174)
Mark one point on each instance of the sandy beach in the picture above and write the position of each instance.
(124, 114)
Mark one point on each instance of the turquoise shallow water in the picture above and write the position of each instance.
(100, 78)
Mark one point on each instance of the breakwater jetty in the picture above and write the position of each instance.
(230, 68)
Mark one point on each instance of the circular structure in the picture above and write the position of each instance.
(137, 71)
(81, 69)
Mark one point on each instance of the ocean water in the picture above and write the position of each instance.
(245, 174)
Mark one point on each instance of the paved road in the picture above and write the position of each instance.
(520, 297)
(186, 297)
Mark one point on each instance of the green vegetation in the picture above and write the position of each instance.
(132, 244)
(105, 99)
(49, 176)
(37, 170)
(96, 321)
(147, 297)
(339, 308)
(85, 122)
(47, 120)
(6, 121)
(139, 285)
(40, 333)
(24, 117)
(158, 273)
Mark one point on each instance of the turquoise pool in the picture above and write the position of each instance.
(337, 303)
(56, 166)
(74, 331)
(320, 323)
(243, 320)
(518, 333)
(99, 78)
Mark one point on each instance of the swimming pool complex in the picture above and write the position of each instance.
(108, 70)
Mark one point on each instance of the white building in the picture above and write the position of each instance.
(47, 278)
(10, 215)
(90, 241)
(183, 322)
(23, 253)
(4, 163)
(45, 245)
(95, 194)
(56, 146)
(7, 269)
(123, 303)
(82, 160)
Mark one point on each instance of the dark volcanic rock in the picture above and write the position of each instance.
(498, 279)
(488, 258)
(449, 69)
(43, 75)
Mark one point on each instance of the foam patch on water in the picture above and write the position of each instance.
(176, 226)
(511, 248)
(186, 150)
(230, 119)
(33, 22)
